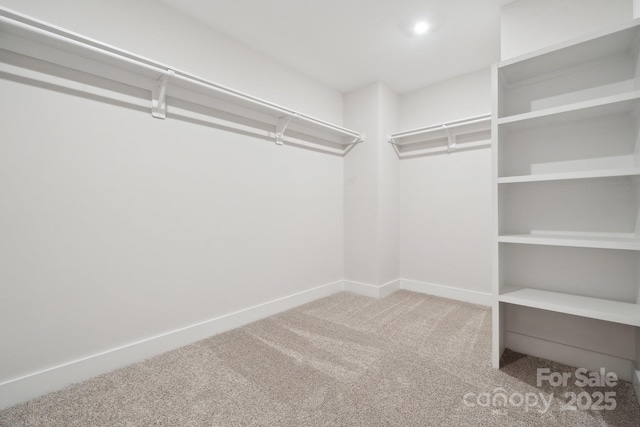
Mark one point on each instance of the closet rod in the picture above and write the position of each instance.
(274, 107)
(47, 31)
(445, 149)
(447, 125)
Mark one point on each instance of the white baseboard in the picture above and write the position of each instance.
(371, 290)
(458, 294)
(38, 383)
(568, 355)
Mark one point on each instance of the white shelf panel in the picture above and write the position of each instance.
(576, 111)
(36, 39)
(594, 308)
(568, 112)
(618, 104)
(561, 176)
(603, 44)
(579, 241)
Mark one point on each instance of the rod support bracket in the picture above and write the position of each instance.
(281, 127)
(159, 96)
(451, 140)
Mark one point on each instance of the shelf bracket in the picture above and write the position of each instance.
(158, 96)
(281, 127)
(451, 140)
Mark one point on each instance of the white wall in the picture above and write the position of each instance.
(361, 179)
(117, 227)
(389, 172)
(529, 25)
(445, 199)
(371, 189)
(453, 99)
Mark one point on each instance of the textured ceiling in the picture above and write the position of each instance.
(347, 44)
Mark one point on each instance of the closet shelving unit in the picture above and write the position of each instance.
(566, 135)
(468, 133)
(23, 35)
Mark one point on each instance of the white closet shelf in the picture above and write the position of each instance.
(33, 38)
(618, 40)
(604, 241)
(576, 111)
(567, 112)
(595, 308)
(561, 176)
(619, 104)
(449, 131)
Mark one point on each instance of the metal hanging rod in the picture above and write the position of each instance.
(449, 131)
(439, 127)
(51, 35)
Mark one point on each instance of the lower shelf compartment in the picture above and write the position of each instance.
(594, 308)
(560, 176)
(574, 240)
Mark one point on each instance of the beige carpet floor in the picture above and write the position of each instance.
(346, 360)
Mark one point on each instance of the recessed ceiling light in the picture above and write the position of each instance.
(420, 28)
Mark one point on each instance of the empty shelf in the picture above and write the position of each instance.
(579, 241)
(575, 111)
(604, 173)
(620, 39)
(595, 308)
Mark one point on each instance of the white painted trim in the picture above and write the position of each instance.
(372, 291)
(474, 297)
(389, 288)
(38, 383)
(636, 383)
(568, 355)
